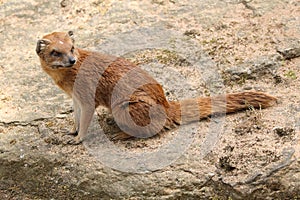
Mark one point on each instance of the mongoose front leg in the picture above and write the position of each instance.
(86, 115)
(76, 118)
(75, 129)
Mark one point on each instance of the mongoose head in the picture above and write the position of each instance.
(57, 50)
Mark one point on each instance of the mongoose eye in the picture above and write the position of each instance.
(56, 54)
(72, 50)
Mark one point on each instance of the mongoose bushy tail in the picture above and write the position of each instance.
(191, 110)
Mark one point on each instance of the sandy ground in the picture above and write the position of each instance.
(193, 48)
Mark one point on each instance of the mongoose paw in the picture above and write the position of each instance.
(74, 140)
(121, 136)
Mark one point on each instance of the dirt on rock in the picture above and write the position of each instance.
(193, 48)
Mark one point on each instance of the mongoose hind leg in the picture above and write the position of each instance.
(121, 136)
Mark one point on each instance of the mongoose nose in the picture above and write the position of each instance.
(72, 61)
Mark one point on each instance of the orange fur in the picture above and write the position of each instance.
(136, 100)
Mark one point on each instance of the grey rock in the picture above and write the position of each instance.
(291, 49)
(255, 69)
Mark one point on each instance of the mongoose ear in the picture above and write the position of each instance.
(41, 45)
(71, 34)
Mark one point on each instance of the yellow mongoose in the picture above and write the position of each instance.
(136, 100)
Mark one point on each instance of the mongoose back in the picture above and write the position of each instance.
(136, 100)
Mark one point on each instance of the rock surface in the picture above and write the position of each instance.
(193, 48)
